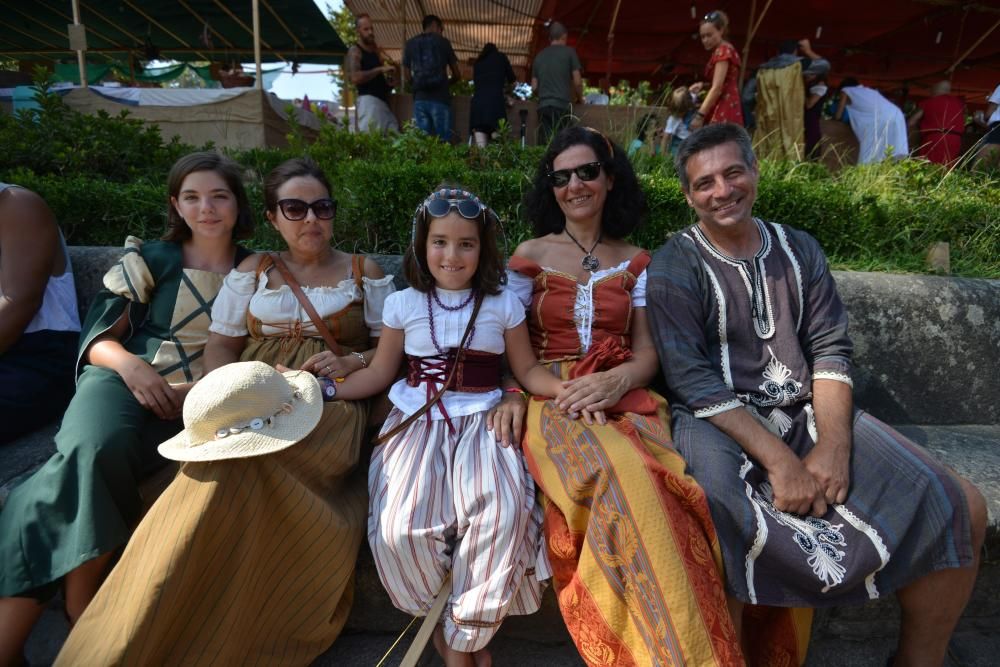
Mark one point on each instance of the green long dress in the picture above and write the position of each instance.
(85, 500)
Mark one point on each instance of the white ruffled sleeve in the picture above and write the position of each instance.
(376, 290)
(392, 311)
(520, 285)
(229, 312)
(639, 291)
(513, 309)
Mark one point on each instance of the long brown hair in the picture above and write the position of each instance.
(231, 173)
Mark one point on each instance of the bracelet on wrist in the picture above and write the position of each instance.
(361, 358)
(517, 390)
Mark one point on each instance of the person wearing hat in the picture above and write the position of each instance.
(140, 351)
(293, 521)
(235, 586)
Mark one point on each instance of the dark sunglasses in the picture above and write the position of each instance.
(711, 16)
(585, 172)
(441, 203)
(296, 209)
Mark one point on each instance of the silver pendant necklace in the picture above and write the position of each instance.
(589, 262)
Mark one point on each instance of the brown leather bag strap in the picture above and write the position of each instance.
(451, 376)
(358, 269)
(317, 321)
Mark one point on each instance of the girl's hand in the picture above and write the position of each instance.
(594, 392)
(697, 121)
(506, 419)
(328, 364)
(151, 390)
(590, 416)
(696, 87)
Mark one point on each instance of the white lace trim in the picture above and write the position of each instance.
(761, 309)
(760, 539)
(783, 240)
(720, 296)
(718, 408)
(834, 375)
(876, 540)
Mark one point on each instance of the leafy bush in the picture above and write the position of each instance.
(105, 178)
(54, 139)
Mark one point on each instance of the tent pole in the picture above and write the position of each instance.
(81, 59)
(402, 44)
(611, 37)
(972, 48)
(256, 44)
(754, 25)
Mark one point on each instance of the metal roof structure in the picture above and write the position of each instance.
(886, 43)
(206, 30)
(510, 24)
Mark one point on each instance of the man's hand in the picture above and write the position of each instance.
(829, 464)
(795, 488)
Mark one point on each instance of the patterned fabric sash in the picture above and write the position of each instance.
(477, 372)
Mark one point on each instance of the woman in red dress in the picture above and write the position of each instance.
(722, 103)
(941, 118)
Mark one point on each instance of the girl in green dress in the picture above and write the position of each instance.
(140, 352)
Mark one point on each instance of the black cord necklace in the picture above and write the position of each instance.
(589, 263)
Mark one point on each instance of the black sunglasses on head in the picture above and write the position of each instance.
(585, 172)
(296, 209)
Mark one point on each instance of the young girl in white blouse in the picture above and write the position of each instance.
(446, 494)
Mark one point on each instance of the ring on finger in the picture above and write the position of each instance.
(327, 370)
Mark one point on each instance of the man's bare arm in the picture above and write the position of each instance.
(358, 75)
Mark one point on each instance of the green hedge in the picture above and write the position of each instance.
(104, 177)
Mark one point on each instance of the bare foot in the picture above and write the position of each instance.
(482, 658)
(451, 657)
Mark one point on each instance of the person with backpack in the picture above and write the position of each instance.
(426, 61)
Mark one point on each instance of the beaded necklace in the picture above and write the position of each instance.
(430, 316)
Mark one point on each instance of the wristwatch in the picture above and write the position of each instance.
(327, 387)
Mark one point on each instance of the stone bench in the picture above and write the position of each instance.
(927, 357)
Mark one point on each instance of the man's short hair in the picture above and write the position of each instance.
(557, 31)
(788, 46)
(708, 137)
(357, 20)
(430, 20)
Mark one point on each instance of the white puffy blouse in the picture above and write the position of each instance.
(407, 311)
(241, 292)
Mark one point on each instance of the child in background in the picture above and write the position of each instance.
(681, 108)
(445, 494)
(641, 129)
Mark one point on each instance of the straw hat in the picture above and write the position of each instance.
(245, 409)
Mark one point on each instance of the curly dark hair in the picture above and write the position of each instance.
(490, 273)
(625, 207)
(231, 173)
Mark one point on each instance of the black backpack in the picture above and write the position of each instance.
(427, 63)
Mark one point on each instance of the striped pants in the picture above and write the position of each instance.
(457, 501)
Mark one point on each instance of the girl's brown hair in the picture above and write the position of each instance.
(719, 19)
(231, 173)
(490, 273)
